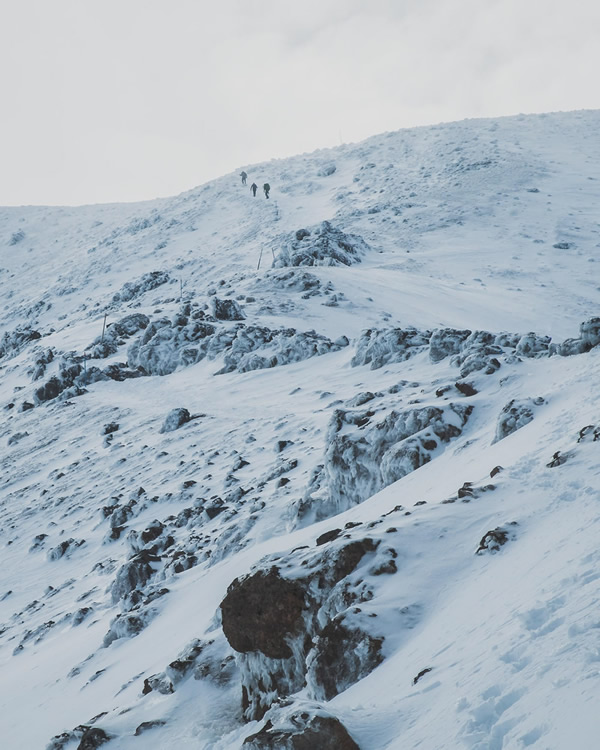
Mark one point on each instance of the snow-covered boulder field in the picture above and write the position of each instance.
(318, 471)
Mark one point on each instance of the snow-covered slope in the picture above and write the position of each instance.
(310, 410)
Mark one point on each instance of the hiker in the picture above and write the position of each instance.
(254, 188)
(266, 188)
(244, 176)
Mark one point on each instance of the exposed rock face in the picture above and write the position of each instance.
(342, 655)
(379, 348)
(261, 611)
(274, 622)
(324, 245)
(302, 732)
(516, 414)
(363, 456)
(175, 419)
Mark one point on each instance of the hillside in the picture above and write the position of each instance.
(319, 470)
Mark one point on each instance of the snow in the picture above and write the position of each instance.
(483, 225)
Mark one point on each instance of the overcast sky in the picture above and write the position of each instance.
(119, 100)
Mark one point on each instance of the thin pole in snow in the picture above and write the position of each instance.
(180, 290)
(259, 258)
(103, 326)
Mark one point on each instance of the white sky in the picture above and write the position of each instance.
(117, 100)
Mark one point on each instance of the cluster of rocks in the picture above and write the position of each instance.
(323, 245)
(471, 351)
(363, 455)
(193, 335)
(74, 374)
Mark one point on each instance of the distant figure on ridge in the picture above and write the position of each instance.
(244, 177)
(254, 188)
(266, 188)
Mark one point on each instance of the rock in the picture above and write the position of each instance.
(360, 399)
(342, 655)
(226, 309)
(492, 540)
(532, 345)
(16, 437)
(13, 342)
(134, 574)
(146, 725)
(362, 457)
(421, 674)
(328, 536)
(381, 347)
(558, 459)
(514, 415)
(260, 611)
(445, 342)
(145, 283)
(324, 245)
(66, 547)
(302, 732)
(466, 389)
(127, 625)
(590, 332)
(175, 419)
(110, 428)
(92, 738)
(326, 170)
(158, 682)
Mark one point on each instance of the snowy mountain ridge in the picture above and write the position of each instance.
(314, 470)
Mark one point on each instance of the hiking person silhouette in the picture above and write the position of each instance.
(254, 188)
(266, 188)
(244, 176)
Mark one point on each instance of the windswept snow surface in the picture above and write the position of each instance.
(122, 526)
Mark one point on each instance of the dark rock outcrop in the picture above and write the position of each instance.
(343, 654)
(261, 611)
(302, 732)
